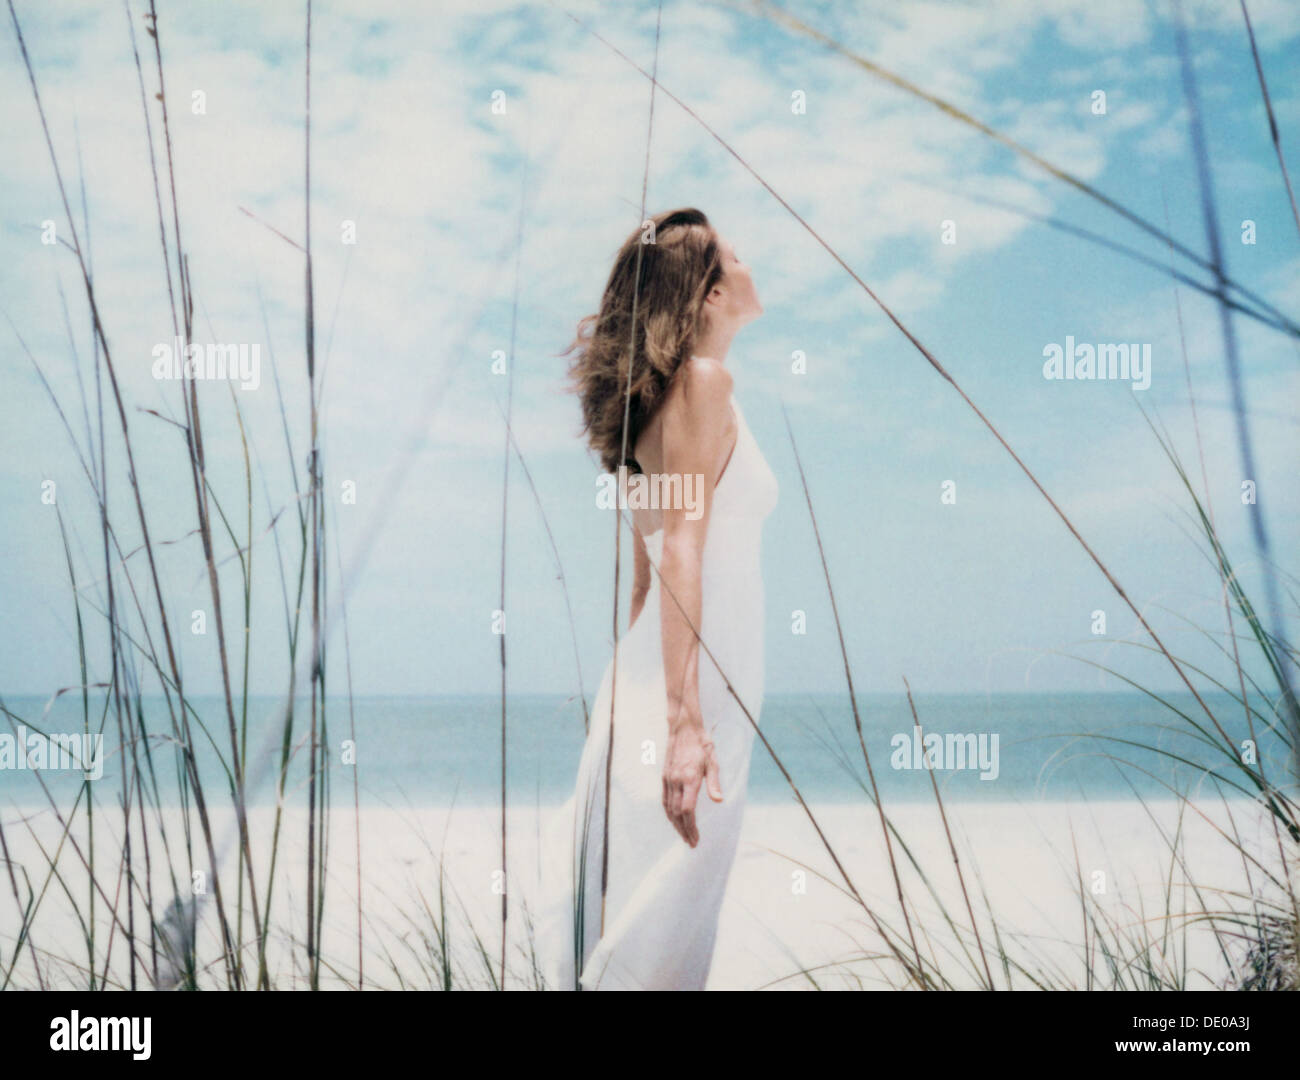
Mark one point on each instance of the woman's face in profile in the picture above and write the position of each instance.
(739, 299)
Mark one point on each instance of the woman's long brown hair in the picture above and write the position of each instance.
(680, 262)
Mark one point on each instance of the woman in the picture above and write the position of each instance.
(681, 739)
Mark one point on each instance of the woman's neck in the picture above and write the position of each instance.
(714, 342)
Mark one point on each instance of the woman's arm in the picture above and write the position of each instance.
(697, 437)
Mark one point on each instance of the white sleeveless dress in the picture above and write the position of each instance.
(663, 898)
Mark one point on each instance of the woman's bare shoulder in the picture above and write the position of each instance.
(703, 384)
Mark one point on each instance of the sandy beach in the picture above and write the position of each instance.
(788, 920)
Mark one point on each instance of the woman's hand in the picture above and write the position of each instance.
(690, 762)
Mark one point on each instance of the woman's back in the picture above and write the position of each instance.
(655, 479)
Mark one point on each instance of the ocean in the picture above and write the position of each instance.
(421, 751)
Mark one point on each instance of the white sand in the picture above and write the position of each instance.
(771, 928)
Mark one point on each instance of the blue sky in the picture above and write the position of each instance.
(990, 593)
